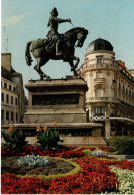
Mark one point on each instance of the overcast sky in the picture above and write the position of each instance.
(26, 20)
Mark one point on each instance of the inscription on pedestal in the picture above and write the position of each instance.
(55, 99)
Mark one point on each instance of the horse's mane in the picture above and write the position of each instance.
(72, 31)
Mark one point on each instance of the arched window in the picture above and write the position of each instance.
(99, 92)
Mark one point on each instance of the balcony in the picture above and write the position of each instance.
(99, 81)
(102, 99)
(103, 65)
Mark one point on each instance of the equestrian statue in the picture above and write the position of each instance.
(56, 46)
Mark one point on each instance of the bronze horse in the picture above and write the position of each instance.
(44, 49)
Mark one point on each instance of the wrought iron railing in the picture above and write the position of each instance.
(99, 80)
(104, 99)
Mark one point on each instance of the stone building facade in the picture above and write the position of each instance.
(110, 95)
(12, 93)
(9, 102)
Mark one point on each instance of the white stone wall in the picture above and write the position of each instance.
(104, 75)
(108, 57)
(112, 79)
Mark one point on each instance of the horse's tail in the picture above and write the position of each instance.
(27, 54)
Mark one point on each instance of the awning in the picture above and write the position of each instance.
(123, 119)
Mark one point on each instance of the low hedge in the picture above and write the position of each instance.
(123, 144)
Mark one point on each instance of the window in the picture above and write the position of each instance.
(5, 85)
(7, 98)
(14, 89)
(114, 81)
(2, 96)
(12, 116)
(16, 101)
(99, 59)
(99, 75)
(7, 115)
(99, 111)
(10, 88)
(16, 117)
(11, 99)
(99, 92)
(2, 114)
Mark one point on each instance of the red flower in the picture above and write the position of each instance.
(11, 128)
(45, 128)
(55, 124)
(95, 176)
(21, 132)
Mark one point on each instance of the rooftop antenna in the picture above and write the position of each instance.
(7, 44)
(5, 40)
(4, 36)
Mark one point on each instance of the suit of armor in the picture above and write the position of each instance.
(53, 32)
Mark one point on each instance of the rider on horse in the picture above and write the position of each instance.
(55, 47)
(53, 32)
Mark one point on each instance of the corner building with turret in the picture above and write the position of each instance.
(110, 95)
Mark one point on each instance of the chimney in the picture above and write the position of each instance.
(6, 61)
(121, 63)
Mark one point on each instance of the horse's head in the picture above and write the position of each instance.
(76, 34)
(81, 36)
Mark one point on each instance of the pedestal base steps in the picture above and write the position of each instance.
(73, 134)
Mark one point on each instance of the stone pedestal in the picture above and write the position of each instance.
(61, 100)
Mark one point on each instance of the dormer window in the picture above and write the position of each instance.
(5, 85)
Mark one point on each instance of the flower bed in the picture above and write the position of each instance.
(95, 175)
(91, 179)
(126, 180)
(106, 149)
(68, 152)
(62, 153)
(57, 167)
